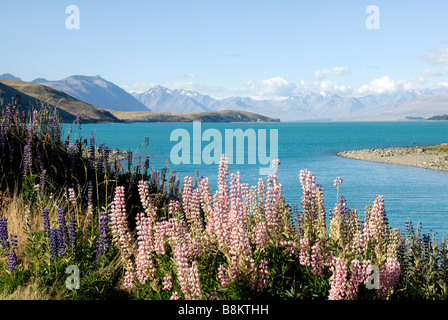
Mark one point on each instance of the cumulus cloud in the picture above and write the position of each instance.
(385, 85)
(336, 71)
(437, 58)
(276, 86)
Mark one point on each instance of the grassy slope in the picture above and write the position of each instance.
(214, 116)
(37, 95)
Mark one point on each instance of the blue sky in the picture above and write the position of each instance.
(233, 47)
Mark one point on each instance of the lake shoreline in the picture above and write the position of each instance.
(427, 157)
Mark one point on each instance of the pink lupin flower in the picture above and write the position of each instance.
(272, 208)
(338, 280)
(167, 283)
(263, 275)
(128, 281)
(375, 225)
(161, 229)
(175, 296)
(337, 181)
(389, 277)
(220, 218)
(207, 205)
(119, 225)
(358, 276)
(145, 268)
(317, 259)
(223, 276)
(260, 235)
(143, 190)
(304, 254)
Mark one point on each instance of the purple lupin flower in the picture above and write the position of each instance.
(53, 126)
(46, 220)
(62, 245)
(12, 253)
(35, 120)
(155, 178)
(78, 119)
(27, 151)
(7, 116)
(42, 181)
(53, 242)
(103, 240)
(4, 233)
(62, 232)
(17, 100)
(2, 133)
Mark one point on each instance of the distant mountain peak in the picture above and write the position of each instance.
(98, 92)
(8, 76)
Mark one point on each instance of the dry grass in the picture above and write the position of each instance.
(32, 291)
(210, 116)
(441, 148)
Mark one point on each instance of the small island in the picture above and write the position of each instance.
(427, 157)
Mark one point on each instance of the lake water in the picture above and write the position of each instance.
(410, 193)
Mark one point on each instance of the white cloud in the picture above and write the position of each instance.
(437, 58)
(386, 85)
(336, 71)
(276, 86)
(427, 73)
(187, 76)
(379, 86)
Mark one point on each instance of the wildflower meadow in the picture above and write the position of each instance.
(68, 204)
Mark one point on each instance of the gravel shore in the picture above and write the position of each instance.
(431, 157)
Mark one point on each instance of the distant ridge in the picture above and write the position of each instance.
(8, 76)
(96, 91)
(211, 116)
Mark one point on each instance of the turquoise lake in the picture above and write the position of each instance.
(409, 193)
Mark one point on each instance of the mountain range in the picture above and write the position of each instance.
(306, 106)
(36, 96)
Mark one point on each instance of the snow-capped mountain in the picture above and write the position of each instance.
(96, 91)
(306, 106)
(161, 99)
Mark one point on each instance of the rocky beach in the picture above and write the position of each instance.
(428, 157)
